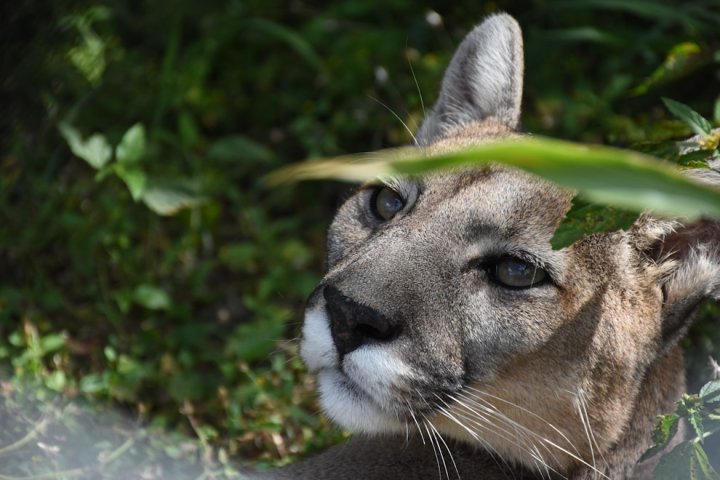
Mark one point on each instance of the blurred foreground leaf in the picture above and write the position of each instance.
(603, 175)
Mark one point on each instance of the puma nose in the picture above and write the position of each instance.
(353, 324)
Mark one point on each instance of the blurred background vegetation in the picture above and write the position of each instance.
(143, 264)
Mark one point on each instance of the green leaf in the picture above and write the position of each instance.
(256, 340)
(676, 464)
(702, 461)
(89, 56)
(681, 60)
(585, 218)
(135, 179)
(696, 421)
(52, 343)
(132, 146)
(237, 147)
(290, 37)
(93, 383)
(664, 431)
(716, 111)
(696, 121)
(95, 150)
(710, 392)
(603, 175)
(168, 198)
(56, 381)
(151, 297)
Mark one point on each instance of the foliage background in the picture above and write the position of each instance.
(185, 322)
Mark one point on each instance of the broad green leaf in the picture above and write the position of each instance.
(95, 150)
(696, 121)
(710, 392)
(134, 178)
(676, 464)
(602, 175)
(716, 111)
(166, 198)
(132, 146)
(151, 297)
(586, 218)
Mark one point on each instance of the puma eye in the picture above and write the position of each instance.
(386, 203)
(515, 273)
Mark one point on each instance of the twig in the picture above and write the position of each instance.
(114, 455)
(27, 438)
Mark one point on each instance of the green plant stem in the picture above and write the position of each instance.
(705, 435)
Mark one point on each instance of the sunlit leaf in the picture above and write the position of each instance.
(696, 121)
(135, 179)
(132, 146)
(168, 198)
(89, 56)
(681, 60)
(603, 175)
(710, 392)
(95, 150)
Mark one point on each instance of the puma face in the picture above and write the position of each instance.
(445, 305)
(445, 310)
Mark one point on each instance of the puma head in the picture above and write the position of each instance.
(445, 309)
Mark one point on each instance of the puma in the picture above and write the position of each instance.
(456, 343)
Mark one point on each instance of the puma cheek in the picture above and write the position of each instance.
(350, 408)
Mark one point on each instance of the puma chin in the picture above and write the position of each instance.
(445, 313)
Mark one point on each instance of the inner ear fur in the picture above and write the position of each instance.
(684, 258)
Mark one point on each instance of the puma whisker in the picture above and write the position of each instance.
(455, 342)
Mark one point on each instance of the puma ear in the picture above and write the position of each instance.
(685, 260)
(484, 80)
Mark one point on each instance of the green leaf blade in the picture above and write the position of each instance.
(96, 150)
(696, 121)
(132, 146)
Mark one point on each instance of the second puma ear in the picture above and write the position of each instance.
(484, 80)
(685, 259)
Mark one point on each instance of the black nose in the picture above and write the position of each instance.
(353, 324)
